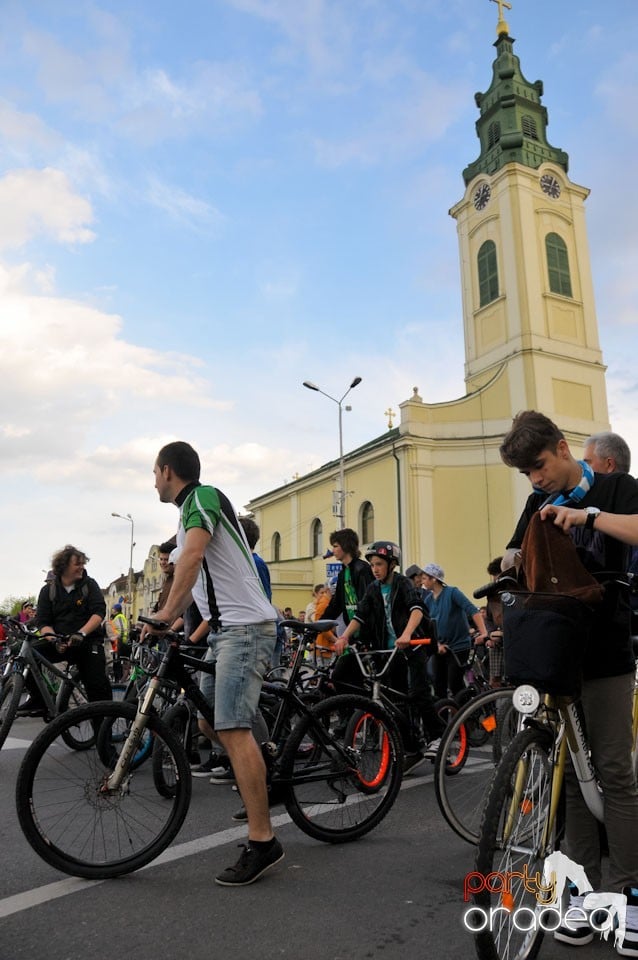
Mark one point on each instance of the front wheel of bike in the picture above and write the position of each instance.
(10, 696)
(80, 825)
(515, 838)
(340, 786)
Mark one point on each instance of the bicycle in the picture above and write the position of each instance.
(91, 815)
(59, 689)
(522, 823)
(310, 686)
(403, 707)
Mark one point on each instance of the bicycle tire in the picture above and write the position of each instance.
(74, 825)
(69, 697)
(520, 797)
(364, 728)
(178, 718)
(10, 696)
(463, 770)
(328, 796)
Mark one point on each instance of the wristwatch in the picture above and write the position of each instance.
(592, 513)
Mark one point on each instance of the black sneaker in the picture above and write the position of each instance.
(31, 708)
(224, 775)
(205, 769)
(252, 864)
(627, 945)
(576, 932)
(274, 797)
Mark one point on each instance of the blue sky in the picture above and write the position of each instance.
(203, 204)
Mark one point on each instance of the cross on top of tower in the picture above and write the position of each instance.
(502, 26)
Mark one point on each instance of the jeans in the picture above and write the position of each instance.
(607, 704)
(241, 655)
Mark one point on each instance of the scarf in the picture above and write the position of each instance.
(572, 496)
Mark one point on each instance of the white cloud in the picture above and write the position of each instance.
(42, 202)
(24, 129)
(318, 29)
(183, 206)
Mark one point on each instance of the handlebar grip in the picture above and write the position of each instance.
(420, 642)
(157, 624)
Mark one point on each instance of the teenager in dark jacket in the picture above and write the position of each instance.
(354, 577)
(391, 612)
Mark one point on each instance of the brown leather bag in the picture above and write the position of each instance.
(550, 563)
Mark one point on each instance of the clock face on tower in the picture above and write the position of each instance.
(550, 186)
(482, 196)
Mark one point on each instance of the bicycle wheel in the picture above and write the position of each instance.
(10, 697)
(515, 839)
(178, 719)
(336, 790)
(70, 817)
(69, 697)
(366, 734)
(463, 769)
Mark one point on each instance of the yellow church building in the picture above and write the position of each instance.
(435, 483)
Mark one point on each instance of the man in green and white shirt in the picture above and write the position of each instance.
(214, 557)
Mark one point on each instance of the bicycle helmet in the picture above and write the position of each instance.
(385, 549)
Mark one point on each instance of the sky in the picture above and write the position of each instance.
(204, 204)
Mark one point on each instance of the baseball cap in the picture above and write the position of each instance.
(434, 570)
(413, 571)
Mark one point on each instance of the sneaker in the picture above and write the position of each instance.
(31, 708)
(628, 946)
(252, 864)
(412, 760)
(575, 930)
(206, 769)
(274, 797)
(223, 775)
(433, 749)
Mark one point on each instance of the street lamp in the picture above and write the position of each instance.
(341, 493)
(130, 566)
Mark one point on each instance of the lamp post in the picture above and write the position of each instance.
(341, 493)
(128, 517)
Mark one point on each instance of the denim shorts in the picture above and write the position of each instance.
(241, 655)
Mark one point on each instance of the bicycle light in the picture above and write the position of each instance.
(526, 699)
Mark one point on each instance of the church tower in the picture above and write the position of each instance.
(528, 300)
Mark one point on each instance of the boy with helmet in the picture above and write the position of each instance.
(391, 611)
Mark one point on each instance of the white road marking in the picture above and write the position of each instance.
(63, 888)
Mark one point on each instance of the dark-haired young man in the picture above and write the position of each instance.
(353, 579)
(600, 513)
(213, 549)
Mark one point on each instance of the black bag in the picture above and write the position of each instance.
(544, 640)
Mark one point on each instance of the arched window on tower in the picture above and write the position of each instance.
(558, 265)
(529, 128)
(487, 273)
(275, 547)
(316, 533)
(366, 523)
(493, 134)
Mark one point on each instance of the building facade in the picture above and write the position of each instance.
(436, 483)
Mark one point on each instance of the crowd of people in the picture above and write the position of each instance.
(218, 588)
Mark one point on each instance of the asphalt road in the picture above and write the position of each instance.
(397, 894)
